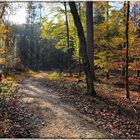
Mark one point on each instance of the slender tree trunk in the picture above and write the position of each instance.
(124, 44)
(123, 72)
(83, 50)
(68, 39)
(3, 9)
(107, 17)
(90, 34)
(79, 66)
(107, 75)
(6, 54)
(138, 73)
(79, 57)
(127, 47)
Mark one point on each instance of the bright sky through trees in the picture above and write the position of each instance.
(19, 17)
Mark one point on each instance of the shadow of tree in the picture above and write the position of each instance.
(39, 99)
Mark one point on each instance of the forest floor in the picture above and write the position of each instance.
(55, 106)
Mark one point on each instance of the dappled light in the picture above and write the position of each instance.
(70, 70)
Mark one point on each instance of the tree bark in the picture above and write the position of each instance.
(90, 34)
(107, 17)
(68, 39)
(79, 57)
(124, 44)
(127, 47)
(123, 71)
(107, 75)
(138, 73)
(3, 10)
(83, 50)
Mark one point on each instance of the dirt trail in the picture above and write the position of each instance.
(60, 120)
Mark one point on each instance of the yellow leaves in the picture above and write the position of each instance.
(138, 16)
(132, 39)
(104, 60)
(102, 28)
(97, 62)
(2, 60)
(4, 30)
(130, 67)
(116, 41)
(102, 42)
(2, 51)
(98, 5)
(134, 65)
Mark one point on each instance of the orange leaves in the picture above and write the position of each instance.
(2, 60)
(118, 65)
(2, 51)
(134, 65)
(4, 30)
(5, 36)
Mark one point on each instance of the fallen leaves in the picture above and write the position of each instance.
(111, 111)
(17, 120)
(15, 117)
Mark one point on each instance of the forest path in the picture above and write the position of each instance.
(60, 120)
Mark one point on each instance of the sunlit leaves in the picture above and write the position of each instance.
(2, 51)
(55, 30)
(2, 60)
(110, 38)
(5, 42)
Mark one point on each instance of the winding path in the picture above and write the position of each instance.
(60, 120)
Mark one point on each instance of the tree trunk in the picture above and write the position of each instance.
(90, 34)
(138, 73)
(123, 71)
(68, 39)
(107, 61)
(127, 47)
(79, 65)
(3, 10)
(124, 44)
(83, 50)
(107, 75)
(79, 57)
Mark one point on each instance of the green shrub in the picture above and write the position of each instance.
(54, 76)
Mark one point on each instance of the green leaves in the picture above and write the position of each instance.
(55, 30)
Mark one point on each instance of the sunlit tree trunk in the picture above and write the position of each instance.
(83, 50)
(79, 57)
(127, 47)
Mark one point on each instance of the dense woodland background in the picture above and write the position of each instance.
(96, 42)
(45, 43)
